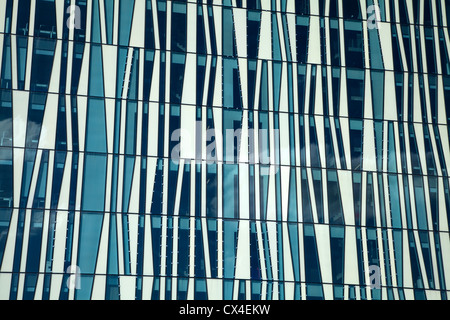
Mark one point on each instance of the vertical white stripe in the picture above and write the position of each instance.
(137, 34)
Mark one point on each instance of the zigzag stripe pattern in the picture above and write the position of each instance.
(235, 149)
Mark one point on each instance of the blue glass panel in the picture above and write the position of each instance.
(201, 70)
(352, 9)
(121, 69)
(276, 46)
(434, 201)
(22, 43)
(131, 132)
(377, 81)
(169, 245)
(183, 247)
(185, 199)
(301, 87)
(173, 182)
(398, 253)
(276, 84)
(318, 190)
(177, 76)
(6, 174)
(156, 243)
(200, 289)
(302, 7)
(312, 90)
(231, 84)
(182, 286)
(30, 156)
(329, 148)
(286, 36)
(96, 126)
(157, 189)
(211, 190)
(5, 217)
(200, 267)
(93, 198)
(61, 127)
(179, 28)
(90, 230)
(133, 84)
(85, 291)
(306, 200)
(302, 31)
(312, 267)
(96, 72)
(355, 92)
(395, 202)
(429, 153)
(354, 44)
(228, 33)
(334, 199)
(387, 260)
(376, 57)
(419, 196)
(229, 247)
(41, 69)
(155, 289)
(126, 243)
(266, 252)
(381, 197)
(127, 181)
(125, 19)
(264, 93)
(49, 253)
(149, 27)
(392, 153)
(112, 288)
(357, 196)
(253, 26)
(314, 292)
(372, 247)
(228, 289)
(269, 292)
(293, 238)
(256, 290)
(30, 286)
(213, 245)
(255, 267)
(95, 33)
(340, 144)
(415, 266)
(34, 244)
(292, 209)
(337, 253)
(231, 191)
(280, 257)
(23, 16)
(335, 51)
(45, 19)
(426, 253)
(338, 292)
(35, 116)
(113, 267)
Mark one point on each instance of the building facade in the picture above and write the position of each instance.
(235, 149)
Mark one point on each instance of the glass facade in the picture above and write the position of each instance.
(235, 149)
